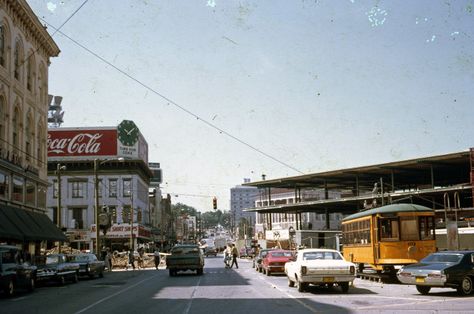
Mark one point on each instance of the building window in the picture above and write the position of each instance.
(127, 187)
(18, 189)
(4, 184)
(17, 59)
(126, 214)
(113, 214)
(30, 193)
(16, 128)
(77, 214)
(99, 188)
(112, 187)
(29, 72)
(28, 133)
(2, 45)
(2, 121)
(55, 188)
(42, 190)
(77, 189)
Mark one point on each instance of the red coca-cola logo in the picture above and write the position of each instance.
(82, 142)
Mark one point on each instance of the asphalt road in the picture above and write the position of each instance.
(226, 291)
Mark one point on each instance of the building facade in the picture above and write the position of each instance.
(25, 52)
(79, 156)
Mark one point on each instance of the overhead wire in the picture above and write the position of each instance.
(169, 100)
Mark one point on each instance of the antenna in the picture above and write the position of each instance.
(55, 113)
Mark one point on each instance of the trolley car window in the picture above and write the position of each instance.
(389, 229)
(357, 232)
(427, 228)
(408, 228)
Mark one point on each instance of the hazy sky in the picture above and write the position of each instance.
(315, 85)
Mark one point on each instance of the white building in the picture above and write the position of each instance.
(242, 197)
(123, 184)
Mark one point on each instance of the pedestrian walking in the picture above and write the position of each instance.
(235, 254)
(227, 256)
(157, 258)
(108, 260)
(131, 259)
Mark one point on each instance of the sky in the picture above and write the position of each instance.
(227, 90)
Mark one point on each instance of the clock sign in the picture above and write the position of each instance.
(127, 133)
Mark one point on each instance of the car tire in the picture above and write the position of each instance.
(268, 272)
(302, 286)
(291, 283)
(62, 280)
(10, 288)
(466, 286)
(75, 278)
(344, 287)
(31, 284)
(423, 289)
(101, 274)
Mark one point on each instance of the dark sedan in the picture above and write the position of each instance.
(449, 269)
(56, 267)
(15, 273)
(89, 265)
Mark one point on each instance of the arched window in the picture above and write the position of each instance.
(17, 57)
(41, 143)
(16, 128)
(2, 122)
(42, 88)
(29, 138)
(2, 45)
(30, 71)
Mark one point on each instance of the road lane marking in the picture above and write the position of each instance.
(113, 295)
(188, 307)
(421, 301)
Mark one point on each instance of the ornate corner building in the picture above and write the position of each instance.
(25, 52)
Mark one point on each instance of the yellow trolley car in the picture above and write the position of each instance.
(388, 236)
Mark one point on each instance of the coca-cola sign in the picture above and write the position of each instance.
(82, 142)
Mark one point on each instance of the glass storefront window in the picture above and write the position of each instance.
(42, 190)
(30, 193)
(18, 189)
(4, 185)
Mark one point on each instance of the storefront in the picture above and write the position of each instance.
(118, 236)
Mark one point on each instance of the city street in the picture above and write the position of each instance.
(222, 290)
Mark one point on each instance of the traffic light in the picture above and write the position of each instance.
(214, 203)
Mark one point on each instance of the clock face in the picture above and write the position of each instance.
(127, 133)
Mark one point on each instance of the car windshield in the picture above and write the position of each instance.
(442, 258)
(281, 254)
(321, 255)
(52, 260)
(184, 250)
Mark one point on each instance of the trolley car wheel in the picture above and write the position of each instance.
(423, 289)
(466, 286)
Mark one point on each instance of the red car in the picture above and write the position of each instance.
(274, 261)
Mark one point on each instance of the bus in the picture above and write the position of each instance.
(389, 236)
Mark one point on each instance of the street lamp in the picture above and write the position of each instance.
(97, 163)
(59, 168)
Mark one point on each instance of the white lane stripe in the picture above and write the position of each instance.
(113, 295)
(313, 310)
(188, 307)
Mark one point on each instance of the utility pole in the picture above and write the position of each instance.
(59, 168)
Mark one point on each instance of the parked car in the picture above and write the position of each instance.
(210, 250)
(89, 264)
(15, 273)
(275, 260)
(257, 260)
(322, 267)
(56, 267)
(185, 257)
(447, 269)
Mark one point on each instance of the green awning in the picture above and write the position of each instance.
(31, 226)
(8, 229)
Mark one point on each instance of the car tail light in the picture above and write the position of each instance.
(352, 269)
(303, 270)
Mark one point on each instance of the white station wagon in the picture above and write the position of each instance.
(321, 267)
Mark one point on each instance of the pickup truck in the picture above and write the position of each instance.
(185, 257)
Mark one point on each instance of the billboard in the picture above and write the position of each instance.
(125, 140)
(82, 142)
